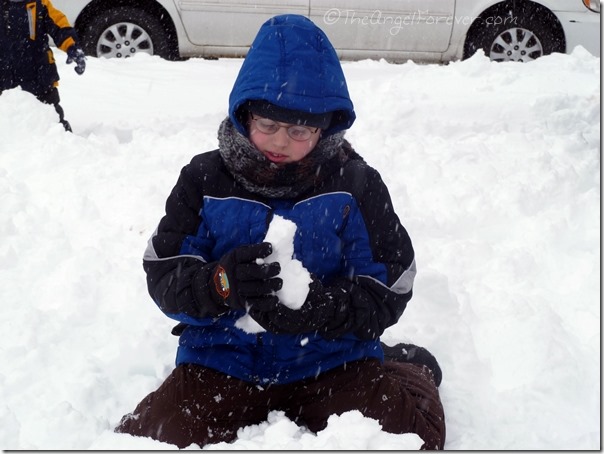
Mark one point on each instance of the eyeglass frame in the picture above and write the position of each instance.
(287, 128)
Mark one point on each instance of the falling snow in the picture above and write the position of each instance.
(494, 169)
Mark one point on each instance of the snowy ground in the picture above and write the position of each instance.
(494, 169)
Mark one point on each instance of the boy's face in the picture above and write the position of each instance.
(278, 146)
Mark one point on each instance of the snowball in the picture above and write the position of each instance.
(296, 278)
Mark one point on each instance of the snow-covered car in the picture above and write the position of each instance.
(397, 30)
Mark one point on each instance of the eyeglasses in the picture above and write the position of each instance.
(295, 132)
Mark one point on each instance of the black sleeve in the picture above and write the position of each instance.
(367, 306)
(179, 283)
(57, 24)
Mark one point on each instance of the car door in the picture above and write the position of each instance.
(386, 25)
(232, 23)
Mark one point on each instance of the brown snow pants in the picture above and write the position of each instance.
(200, 405)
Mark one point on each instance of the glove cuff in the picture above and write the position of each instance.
(204, 291)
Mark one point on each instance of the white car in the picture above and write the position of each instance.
(397, 30)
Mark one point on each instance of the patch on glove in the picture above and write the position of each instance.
(221, 282)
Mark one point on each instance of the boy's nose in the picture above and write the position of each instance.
(281, 138)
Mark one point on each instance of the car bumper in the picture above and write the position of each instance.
(581, 28)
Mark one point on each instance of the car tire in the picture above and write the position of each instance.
(521, 34)
(123, 32)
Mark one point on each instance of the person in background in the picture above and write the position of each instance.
(282, 152)
(26, 59)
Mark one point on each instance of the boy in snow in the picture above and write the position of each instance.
(26, 59)
(282, 152)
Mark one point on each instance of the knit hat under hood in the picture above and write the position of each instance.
(296, 117)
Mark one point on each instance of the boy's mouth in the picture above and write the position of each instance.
(275, 157)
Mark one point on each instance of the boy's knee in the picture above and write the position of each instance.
(421, 407)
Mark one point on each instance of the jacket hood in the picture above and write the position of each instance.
(292, 64)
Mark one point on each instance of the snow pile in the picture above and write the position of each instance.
(494, 169)
(350, 431)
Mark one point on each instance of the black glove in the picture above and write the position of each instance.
(324, 311)
(74, 53)
(237, 280)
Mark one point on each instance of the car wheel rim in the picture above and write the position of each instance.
(516, 44)
(123, 40)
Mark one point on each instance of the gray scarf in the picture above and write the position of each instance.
(259, 175)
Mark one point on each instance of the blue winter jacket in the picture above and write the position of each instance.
(347, 231)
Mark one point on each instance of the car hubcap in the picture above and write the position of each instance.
(516, 44)
(123, 40)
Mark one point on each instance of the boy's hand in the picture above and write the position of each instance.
(316, 314)
(238, 279)
(74, 53)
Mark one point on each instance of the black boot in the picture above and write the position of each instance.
(62, 120)
(52, 97)
(66, 125)
(409, 353)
